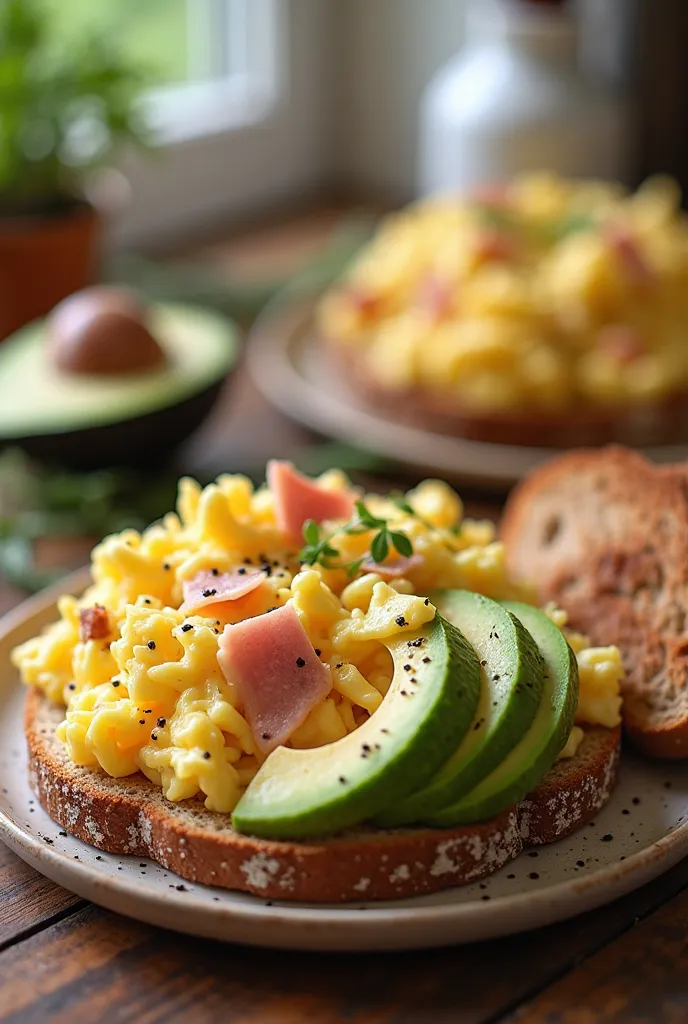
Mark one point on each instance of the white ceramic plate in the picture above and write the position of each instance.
(647, 821)
(289, 367)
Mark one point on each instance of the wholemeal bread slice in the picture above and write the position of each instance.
(604, 534)
(131, 816)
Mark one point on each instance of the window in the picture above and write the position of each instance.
(214, 61)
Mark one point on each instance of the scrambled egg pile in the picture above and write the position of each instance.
(539, 294)
(148, 694)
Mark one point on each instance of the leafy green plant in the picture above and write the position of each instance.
(61, 111)
(319, 549)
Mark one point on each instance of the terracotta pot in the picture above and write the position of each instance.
(45, 258)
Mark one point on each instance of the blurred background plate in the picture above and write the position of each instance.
(291, 369)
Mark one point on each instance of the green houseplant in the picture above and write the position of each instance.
(62, 112)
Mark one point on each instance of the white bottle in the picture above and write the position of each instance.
(513, 100)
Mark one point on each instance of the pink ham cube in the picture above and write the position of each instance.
(276, 671)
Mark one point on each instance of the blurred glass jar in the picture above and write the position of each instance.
(514, 100)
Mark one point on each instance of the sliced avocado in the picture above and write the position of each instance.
(511, 688)
(91, 420)
(530, 760)
(301, 793)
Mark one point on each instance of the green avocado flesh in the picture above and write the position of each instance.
(37, 399)
(530, 760)
(510, 692)
(427, 709)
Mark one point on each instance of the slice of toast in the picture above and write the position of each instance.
(131, 816)
(604, 534)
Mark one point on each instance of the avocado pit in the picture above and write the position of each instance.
(102, 331)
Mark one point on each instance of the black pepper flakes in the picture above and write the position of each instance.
(426, 660)
(580, 863)
(186, 627)
(342, 780)
(161, 722)
(209, 592)
(142, 721)
(215, 572)
(607, 837)
(636, 800)
(147, 711)
(407, 668)
(533, 875)
(166, 566)
(401, 621)
(300, 662)
(266, 736)
(154, 736)
(426, 601)
(242, 571)
(206, 755)
(72, 686)
(115, 682)
(318, 651)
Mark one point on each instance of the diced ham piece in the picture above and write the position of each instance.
(495, 246)
(621, 341)
(392, 570)
(492, 193)
(297, 499)
(365, 303)
(631, 258)
(434, 296)
(94, 623)
(208, 587)
(276, 671)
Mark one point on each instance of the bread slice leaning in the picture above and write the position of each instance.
(604, 534)
(131, 816)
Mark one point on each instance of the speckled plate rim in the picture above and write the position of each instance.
(251, 921)
(289, 369)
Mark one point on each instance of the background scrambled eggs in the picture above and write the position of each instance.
(150, 695)
(541, 294)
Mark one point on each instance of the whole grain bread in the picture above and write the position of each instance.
(131, 816)
(604, 534)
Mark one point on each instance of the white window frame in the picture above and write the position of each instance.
(231, 149)
(243, 80)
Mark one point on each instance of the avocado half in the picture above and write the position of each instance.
(138, 419)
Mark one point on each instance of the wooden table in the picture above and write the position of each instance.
(62, 959)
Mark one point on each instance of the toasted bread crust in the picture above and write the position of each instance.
(573, 792)
(130, 816)
(661, 422)
(605, 534)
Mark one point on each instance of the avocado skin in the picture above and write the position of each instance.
(142, 442)
(414, 757)
(451, 783)
(483, 804)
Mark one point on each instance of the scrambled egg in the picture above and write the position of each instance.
(540, 294)
(149, 695)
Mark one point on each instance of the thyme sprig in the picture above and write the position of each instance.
(319, 549)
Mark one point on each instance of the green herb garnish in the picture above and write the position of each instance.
(319, 549)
